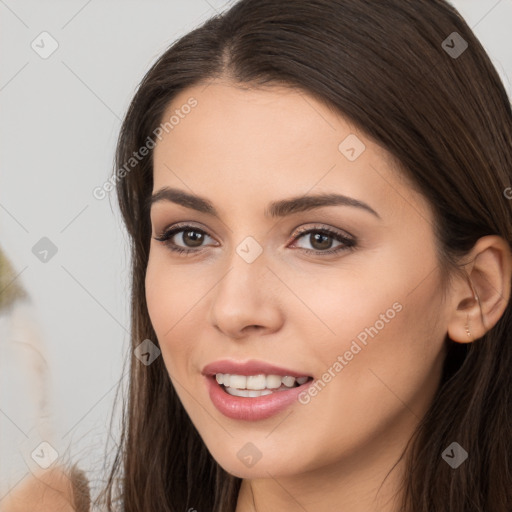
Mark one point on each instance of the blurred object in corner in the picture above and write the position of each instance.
(10, 290)
(25, 418)
(54, 490)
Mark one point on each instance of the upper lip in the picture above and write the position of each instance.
(252, 367)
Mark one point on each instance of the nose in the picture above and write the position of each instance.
(246, 299)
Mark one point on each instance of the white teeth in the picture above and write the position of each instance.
(258, 382)
(273, 381)
(289, 381)
(237, 381)
(252, 393)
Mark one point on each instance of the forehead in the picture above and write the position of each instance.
(274, 115)
(272, 142)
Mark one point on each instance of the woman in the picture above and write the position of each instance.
(317, 198)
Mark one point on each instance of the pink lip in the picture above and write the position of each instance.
(251, 367)
(251, 409)
(246, 408)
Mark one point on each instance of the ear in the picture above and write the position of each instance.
(481, 298)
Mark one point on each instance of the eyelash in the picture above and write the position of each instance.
(349, 243)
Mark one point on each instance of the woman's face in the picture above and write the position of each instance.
(358, 308)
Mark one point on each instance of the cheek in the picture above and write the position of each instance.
(159, 297)
(174, 300)
(164, 306)
(384, 362)
(382, 335)
(169, 293)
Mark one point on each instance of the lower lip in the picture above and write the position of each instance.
(252, 409)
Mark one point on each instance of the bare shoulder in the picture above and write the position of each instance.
(54, 490)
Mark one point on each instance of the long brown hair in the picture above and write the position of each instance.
(394, 70)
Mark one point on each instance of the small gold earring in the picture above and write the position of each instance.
(467, 329)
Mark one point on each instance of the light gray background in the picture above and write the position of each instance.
(59, 123)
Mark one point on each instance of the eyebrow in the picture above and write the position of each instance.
(281, 208)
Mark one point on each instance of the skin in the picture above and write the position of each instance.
(48, 491)
(242, 149)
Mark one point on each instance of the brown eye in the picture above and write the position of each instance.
(321, 240)
(192, 239)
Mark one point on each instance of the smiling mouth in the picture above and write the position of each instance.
(254, 386)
